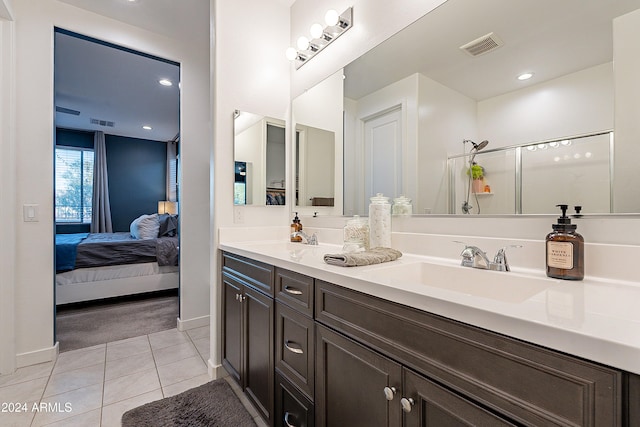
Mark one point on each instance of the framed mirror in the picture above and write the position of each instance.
(259, 160)
(410, 102)
(317, 166)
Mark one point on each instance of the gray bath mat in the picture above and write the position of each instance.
(211, 404)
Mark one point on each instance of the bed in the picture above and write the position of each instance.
(92, 266)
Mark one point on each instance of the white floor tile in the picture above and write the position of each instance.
(16, 419)
(27, 373)
(129, 365)
(71, 380)
(177, 388)
(112, 414)
(166, 355)
(128, 347)
(77, 359)
(181, 370)
(69, 404)
(88, 419)
(167, 338)
(129, 386)
(27, 391)
(196, 333)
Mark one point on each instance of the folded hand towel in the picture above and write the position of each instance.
(355, 259)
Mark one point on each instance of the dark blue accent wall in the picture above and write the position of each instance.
(137, 175)
(137, 178)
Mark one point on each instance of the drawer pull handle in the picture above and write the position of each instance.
(286, 420)
(292, 291)
(295, 350)
(389, 392)
(407, 404)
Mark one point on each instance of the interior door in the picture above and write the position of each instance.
(383, 156)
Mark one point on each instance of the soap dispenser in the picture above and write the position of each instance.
(565, 250)
(296, 226)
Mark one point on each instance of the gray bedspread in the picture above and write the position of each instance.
(102, 249)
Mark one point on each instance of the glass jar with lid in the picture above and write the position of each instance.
(379, 222)
(356, 234)
(402, 206)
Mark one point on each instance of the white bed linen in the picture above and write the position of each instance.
(97, 274)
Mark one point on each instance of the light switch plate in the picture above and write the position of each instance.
(30, 213)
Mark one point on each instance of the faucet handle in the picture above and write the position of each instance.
(500, 260)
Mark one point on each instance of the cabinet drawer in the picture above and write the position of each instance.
(295, 346)
(529, 384)
(293, 409)
(295, 289)
(254, 273)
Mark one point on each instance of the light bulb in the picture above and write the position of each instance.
(331, 17)
(316, 31)
(303, 43)
(291, 53)
(525, 76)
(165, 82)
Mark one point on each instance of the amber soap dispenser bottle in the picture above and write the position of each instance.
(296, 226)
(565, 250)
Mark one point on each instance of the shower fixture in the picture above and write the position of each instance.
(466, 207)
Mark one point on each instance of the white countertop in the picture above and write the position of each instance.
(596, 319)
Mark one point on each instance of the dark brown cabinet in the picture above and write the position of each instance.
(311, 353)
(247, 348)
(351, 381)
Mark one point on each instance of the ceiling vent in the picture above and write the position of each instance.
(67, 111)
(482, 45)
(105, 123)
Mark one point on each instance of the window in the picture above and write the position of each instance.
(74, 185)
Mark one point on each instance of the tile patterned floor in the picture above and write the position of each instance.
(94, 386)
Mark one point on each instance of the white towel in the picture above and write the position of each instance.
(355, 259)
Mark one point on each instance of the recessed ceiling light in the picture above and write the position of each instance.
(165, 82)
(147, 127)
(525, 76)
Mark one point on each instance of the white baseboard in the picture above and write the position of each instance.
(197, 322)
(39, 356)
(216, 371)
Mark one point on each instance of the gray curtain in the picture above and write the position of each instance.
(101, 210)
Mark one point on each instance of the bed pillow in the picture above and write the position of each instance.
(145, 227)
(168, 225)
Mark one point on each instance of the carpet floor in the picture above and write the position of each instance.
(113, 321)
(211, 404)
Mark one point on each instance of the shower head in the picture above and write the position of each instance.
(477, 147)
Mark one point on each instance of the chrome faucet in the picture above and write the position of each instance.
(313, 240)
(473, 256)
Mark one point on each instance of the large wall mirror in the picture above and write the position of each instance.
(410, 103)
(259, 160)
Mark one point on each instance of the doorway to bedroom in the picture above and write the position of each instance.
(117, 168)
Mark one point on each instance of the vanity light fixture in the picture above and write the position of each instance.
(525, 76)
(321, 37)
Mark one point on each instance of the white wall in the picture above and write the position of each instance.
(7, 191)
(578, 103)
(34, 270)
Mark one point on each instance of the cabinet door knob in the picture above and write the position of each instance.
(237, 297)
(292, 291)
(389, 392)
(243, 297)
(295, 350)
(286, 420)
(407, 404)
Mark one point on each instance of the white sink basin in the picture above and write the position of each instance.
(500, 286)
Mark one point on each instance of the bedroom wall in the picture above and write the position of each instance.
(33, 284)
(137, 176)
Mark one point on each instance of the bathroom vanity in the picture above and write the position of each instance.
(313, 344)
